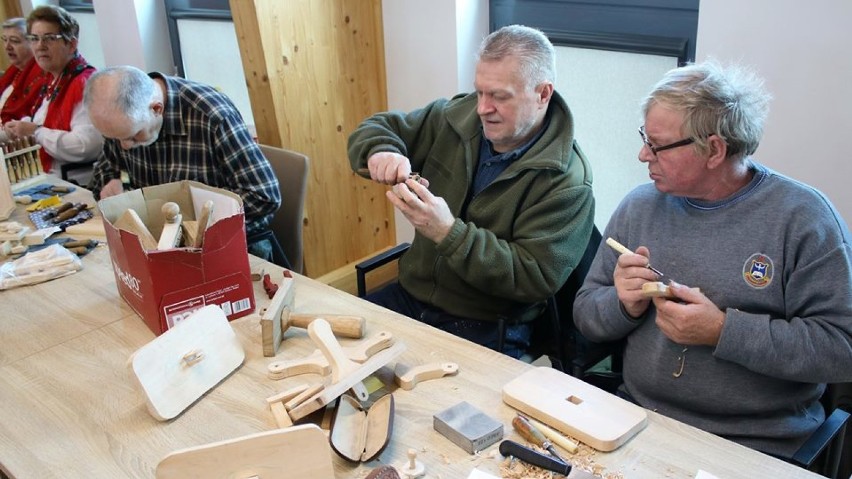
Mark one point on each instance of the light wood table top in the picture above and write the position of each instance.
(70, 407)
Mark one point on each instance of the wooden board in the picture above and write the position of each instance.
(575, 408)
(182, 364)
(297, 452)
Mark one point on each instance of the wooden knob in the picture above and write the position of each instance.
(170, 210)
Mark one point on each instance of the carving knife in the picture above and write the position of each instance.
(623, 249)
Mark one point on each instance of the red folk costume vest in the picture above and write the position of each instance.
(64, 95)
(26, 88)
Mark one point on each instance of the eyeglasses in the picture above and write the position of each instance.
(12, 40)
(657, 149)
(48, 38)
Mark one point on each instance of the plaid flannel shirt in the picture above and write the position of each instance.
(203, 138)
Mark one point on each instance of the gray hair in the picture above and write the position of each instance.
(731, 103)
(19, 23)
(133, 91)
(532, 48)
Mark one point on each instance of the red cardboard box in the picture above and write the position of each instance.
(164, 287)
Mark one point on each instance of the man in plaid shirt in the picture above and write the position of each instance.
(160, 129)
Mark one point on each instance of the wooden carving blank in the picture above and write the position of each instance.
(575, 408)
(657, 289)
(130, 221)
(177, 368)
(297, 452)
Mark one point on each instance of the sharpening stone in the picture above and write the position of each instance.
(468, 427)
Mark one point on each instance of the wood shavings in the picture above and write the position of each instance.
(583, 459)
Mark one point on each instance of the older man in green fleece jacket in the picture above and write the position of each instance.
(504, 207)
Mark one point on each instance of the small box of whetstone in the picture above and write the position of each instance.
(468, 427)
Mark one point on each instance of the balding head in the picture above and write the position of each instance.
(124, 102)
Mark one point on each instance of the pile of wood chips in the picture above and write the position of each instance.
(582, 459)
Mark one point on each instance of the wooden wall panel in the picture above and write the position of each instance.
(315, 69)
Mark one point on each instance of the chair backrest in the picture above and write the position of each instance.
(570, 351)
(291, 168)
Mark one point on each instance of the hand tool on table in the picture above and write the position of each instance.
(554, 436)
(623, 249)
(279, 316)
(533, 435)
(69, 213)
(531, 456)
(59, 209)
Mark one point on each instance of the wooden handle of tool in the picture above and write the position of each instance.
(69, 213)
(341, 325)
(554, 436)
(528, 431)
(618, 246)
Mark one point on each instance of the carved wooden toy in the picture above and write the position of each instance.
(408, 377)
(279, 316)
(413, 468)
(345, 375)
(171, 235)
(316, 363)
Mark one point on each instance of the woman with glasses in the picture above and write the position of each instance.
(59, 121)
(22, 81)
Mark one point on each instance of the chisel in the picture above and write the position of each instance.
(533, 435)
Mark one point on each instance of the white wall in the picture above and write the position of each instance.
(802, 50)
(429, 54)
(604, 90)
(209, 48)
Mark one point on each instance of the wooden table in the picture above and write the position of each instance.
(71, 409)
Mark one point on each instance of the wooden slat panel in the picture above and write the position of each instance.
(315, 69)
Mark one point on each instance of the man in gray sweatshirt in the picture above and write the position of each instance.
(761, 316)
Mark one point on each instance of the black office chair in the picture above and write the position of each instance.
(393, 254)
(823, 452)
(553, 331)
(567, 348)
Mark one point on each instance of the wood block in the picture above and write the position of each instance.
(297, 452)
(279, 412)
(204, 219)
(575, 408)
(131, 222)
(468, 427)
(270, 320)
(190, 229)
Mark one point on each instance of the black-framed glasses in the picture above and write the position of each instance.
(48, 38)
(657, 149)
